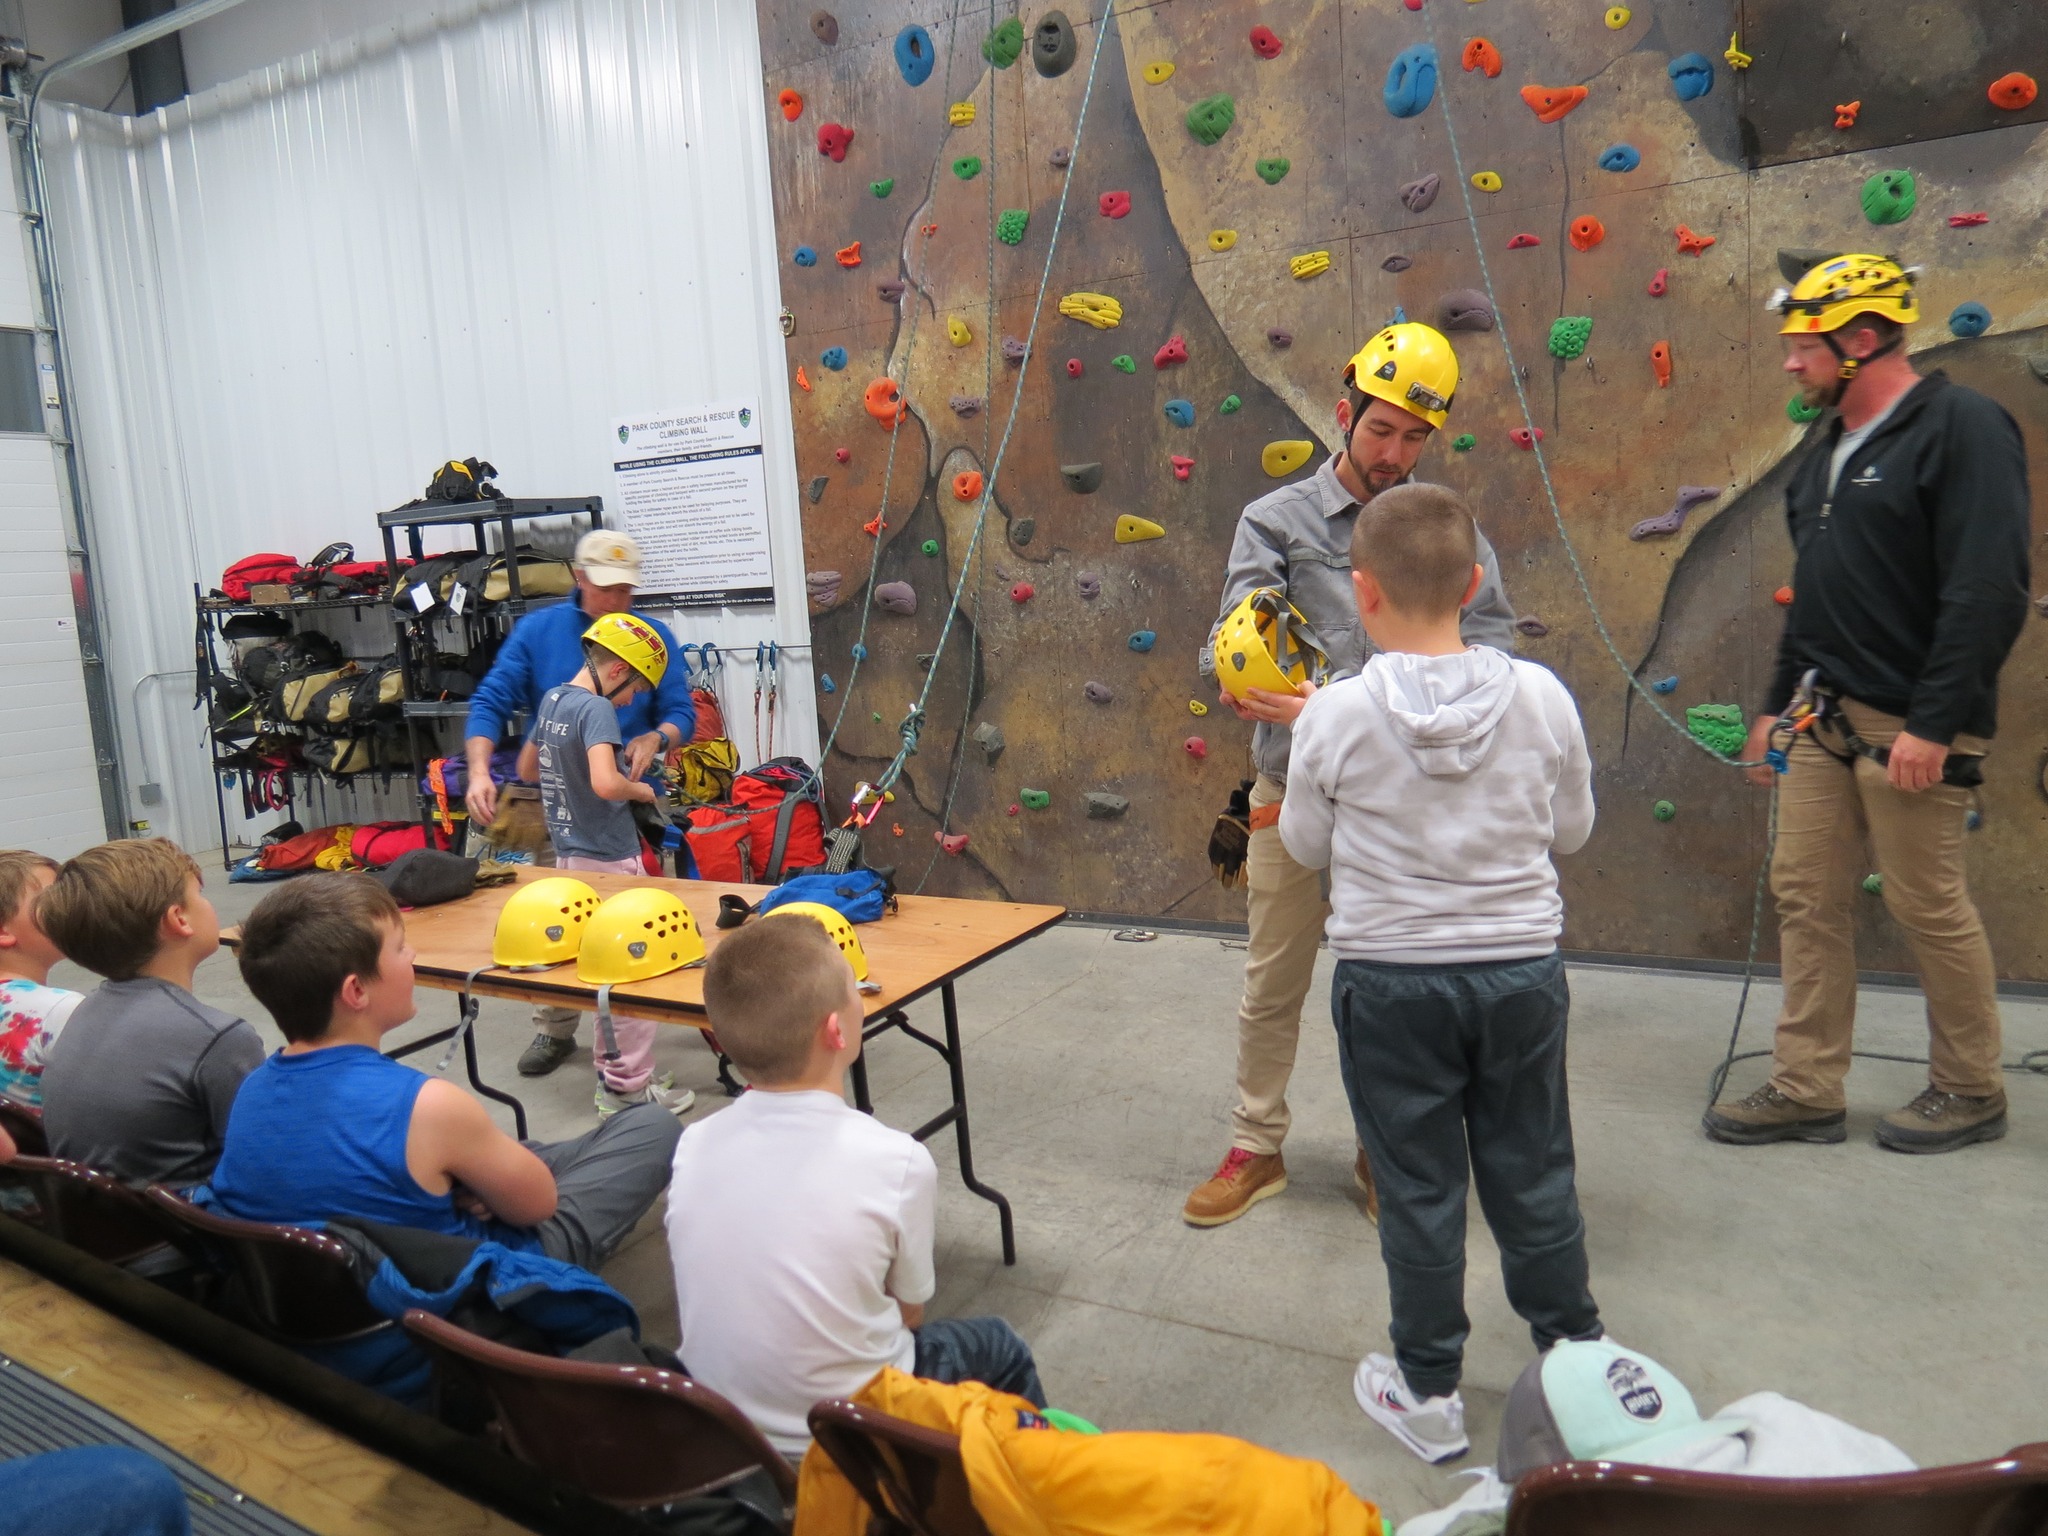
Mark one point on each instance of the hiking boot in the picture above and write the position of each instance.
(545, 1054)
(662, 1091)
(1941, 1122)
(1243, 1179)
(1432, 1427)
(1361, 1175)
(1767, 1115)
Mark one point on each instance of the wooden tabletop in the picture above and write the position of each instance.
(927, 943)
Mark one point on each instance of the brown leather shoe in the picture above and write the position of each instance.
(1361, 1175)
(1941, 1122)
(1243, 1179)
(1767, 1115)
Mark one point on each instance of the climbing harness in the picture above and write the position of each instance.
(1815, 705)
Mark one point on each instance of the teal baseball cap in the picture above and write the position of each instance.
(1596, 1401)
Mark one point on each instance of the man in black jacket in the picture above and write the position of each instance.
(1909, 519)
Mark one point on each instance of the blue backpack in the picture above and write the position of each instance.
(859, 895)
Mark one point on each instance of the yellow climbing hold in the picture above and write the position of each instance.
(957, 332)
(1096, 309)
(1195, 706)
(1486, 181)
(1222, 239)
(1285, 456)
(1136, 530)
(960, 114)
(1310, 264)
(1158, 72)
(1733, 53)
(1617, 18)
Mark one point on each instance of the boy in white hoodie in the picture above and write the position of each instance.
(1434, 787)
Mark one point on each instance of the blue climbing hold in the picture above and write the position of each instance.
(1400, 316)
(914, 54)
(805, 256)
(1411, 80)
(1620, 157)
(1973, 820)
(825, 682)
(1967, 320)
(833, 358)
(1692, 75)
(1666, 685)
(1180, 412)
(860, 653)
(1143, 640)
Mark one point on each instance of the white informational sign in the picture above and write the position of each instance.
(692, 487)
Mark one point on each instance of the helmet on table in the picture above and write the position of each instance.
(638, 934)
(542, 924)
(1265, 643)
(836, 927)
(1410, 365)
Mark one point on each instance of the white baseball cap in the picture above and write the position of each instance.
(609, 558)
(1596, 1401)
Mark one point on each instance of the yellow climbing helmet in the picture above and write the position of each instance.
(633, 640)
(1266, 643)
(837, 928)
(636, 934)
(1408, 365)
(1842, 287)
(542, 924)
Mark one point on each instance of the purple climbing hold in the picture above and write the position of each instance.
(1087, 583)
(1280, 338)
(1464, 309)
(1097, 693)
(1013, 350)
(890, 290)
(823, 587)
(897, 597)
(1532, 626)
(1417, 195)
(965, 406)
(1689, 496)
(1396, 264)
(1062, 158)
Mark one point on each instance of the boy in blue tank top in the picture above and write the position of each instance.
(330, 1128)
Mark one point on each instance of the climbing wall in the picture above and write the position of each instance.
(1251, 192)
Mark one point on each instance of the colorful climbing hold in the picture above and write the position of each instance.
(1660, 283)
(1265, 43)
(1523, 242)
(883, 187)
(2014, 92)
(834, 139)
(1845, 114)
(1183, 466)
(1103, 806)
(825, 27)
(1733, 53)
(1197, 708)
(792, 105)
(1023, 592)
(1528, 624)
(1022, 530)
(1002, 46)
(967, 485)
(1586, 232)
(954, 843)
(1174, 351)
(1666, 684)
(1692, 75)
(833, 358)
(1782, 597)
(1874, 884)
(1114, 205)
(967, 167)
(1690, 244)
(1074, 369)
(1285, 455)
(1417, 195)
(859, 652)
(1096, 309)
(1308, 264)
(957, 332)
(802, 382)
(1035, 799)
(1660, 363)
(1569, 334)
(1689, 496)
(1098, 693)
(1972, 819)
(1663, 810)
(1486, 181)
(960, 114)
(1396, 263)
(1617, 17)
(1464, 309)
(1088, 584)
(822, 587)
(1273, 170)
(825, 683)
(1082, 479)
(1136, 530)
(1526, 438)
(1061, 158)
(898, 597)
(1210, 118)
(1889, 197)
(890, 290)
(1464, 442)
(1798, 410)
(1230, 407)
(1552, 104)
(1483, 56)
(1052, 45)
(843, 455)
(884, 401)
(1011, 224)
(1123, 362)
(816, 489)
(1180, 412)
(1620, 157)
(1222, 239)
(804, 256)
(967, 406)
(1158, 72)
(1195, 747)
(1142, 640)
(929, 547)
(1969, 320)
(1014, 349)
(848, 255)
(1718, 726)
(1411, 81)
(1967, 220)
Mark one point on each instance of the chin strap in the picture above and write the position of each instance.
(604, 1025)
(1848, 367)
(468, 1004)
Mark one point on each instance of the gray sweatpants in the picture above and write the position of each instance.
(605, 1181)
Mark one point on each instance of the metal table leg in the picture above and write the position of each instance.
(465, 1026)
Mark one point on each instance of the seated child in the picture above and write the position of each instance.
(331, 1128)
(1434, 786)
(32, 1012)
(800, 1228)
(140, 1082)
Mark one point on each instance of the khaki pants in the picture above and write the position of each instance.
(1825, 809)
(1287, 912)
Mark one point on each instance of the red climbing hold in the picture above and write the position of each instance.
(1196, 748)
(1550, 105)
(967, 485)
(848, 256)
(1690, 244)
(1523, 242)
(1023, 592)
(1265, 44)
(792, 105)
(1660, 282)
(1586, 232)
(1114, 205)
(1660, 363)
(2014, 92)
(1183, 466)
(1175, 351)
(1967, 220)
(873, 527)
(1782, 597)
(895, 829)
(954, 843)
(1522, 438)
(834, 139)
(1845, 114)
(1073, 367)
(1482, 55)
(843, 455)
(1014, 809)
(1413, 5)
(928, 229)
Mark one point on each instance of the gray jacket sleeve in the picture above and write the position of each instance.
(1257, 560)
(1487, 619)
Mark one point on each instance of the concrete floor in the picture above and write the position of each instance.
(1896, 1292)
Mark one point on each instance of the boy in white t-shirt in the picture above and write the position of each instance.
(32, 1012)
(800, 1228)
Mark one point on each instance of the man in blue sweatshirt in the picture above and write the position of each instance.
(545, 650)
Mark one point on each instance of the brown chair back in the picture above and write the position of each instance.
(299, 1283)
(911, 1477)
(26, 1127)
(2005, 1497)
(631, 1435)
(93, 1212)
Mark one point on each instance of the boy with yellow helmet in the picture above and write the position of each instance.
(1292, 553)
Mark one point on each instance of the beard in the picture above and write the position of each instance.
(1819, 396)
(1383, 477)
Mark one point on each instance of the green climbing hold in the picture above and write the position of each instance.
(1034, 799)
(1210, 118)
(1464, 442)
(1125, 362)
(1002, 46)
(1010, 225)
(1569, 334)
(930, 546)
(883, 187)
(1663, 810)
(1801, 412)
(1270, 171)
(1231, 406)
(1889, 197)
(1718, 726)
(1874, 884)
(878, 717)
(967, 167)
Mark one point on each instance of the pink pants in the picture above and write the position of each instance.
(635, 1066)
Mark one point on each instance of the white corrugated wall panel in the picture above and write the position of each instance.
(491, 231)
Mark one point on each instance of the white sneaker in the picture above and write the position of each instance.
(1432, 1427)
(662, 1091)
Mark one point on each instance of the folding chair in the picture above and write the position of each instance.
(26, 1127)
(96, 1213)
(2005, 1497)
(635, 1436)
(910, 1476)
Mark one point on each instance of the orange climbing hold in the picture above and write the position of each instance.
(1782, 597)
(1523, 242)
(1660, 282)
(1690, 244)
(1550, 105)
(1587, 232)
(883, 401)
(873, 527)
(1845, 114)
(1660, 363)
(2014, 92)
(967, 485)
(792, 105)
(928, 229)
(802, 381)
(1482, 55)
(848, 256)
